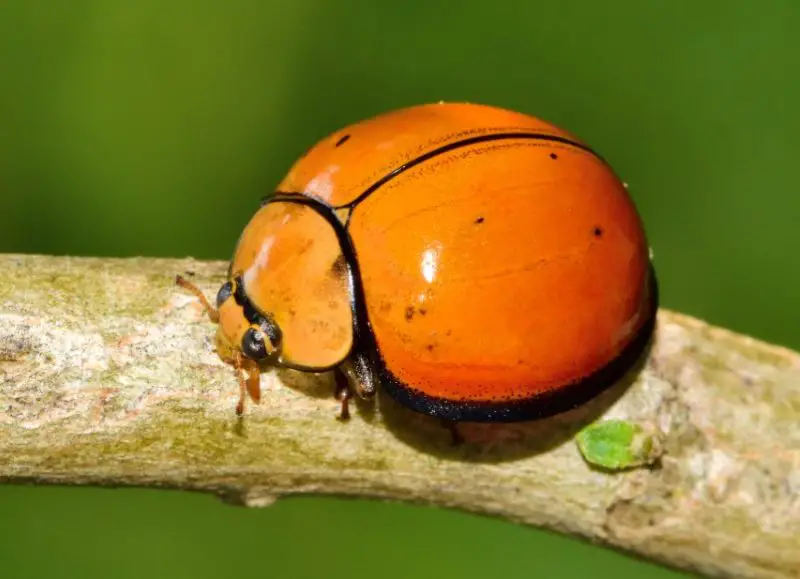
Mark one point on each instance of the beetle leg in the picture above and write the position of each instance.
(243, 378)
(213, 314)
(452, 427)
(360, 375)
(343, 393)
(253, 381)
(242, 382)
(249, 381)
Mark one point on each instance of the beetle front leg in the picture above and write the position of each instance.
(249, 381)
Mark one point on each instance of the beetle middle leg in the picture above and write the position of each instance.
(343, 393)
(360, 376)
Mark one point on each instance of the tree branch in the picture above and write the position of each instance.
(109, 378)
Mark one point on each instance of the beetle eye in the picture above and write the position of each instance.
(224, 293)
(253, 345)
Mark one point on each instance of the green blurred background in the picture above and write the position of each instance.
(152, 128)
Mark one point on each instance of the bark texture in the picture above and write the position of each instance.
(109, 378)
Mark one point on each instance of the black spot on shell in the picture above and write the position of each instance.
(342, 141)
(410, 313)
(598, 232)
(479, 220)
(339, 267)
(553, 156)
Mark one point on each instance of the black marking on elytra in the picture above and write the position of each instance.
(553, 156)
(410, 311)
(339, 267)
(550, 403)
(459, 145)
(342, 141)
(479, 220)
(598, 231)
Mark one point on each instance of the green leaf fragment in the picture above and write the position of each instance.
(618, 444)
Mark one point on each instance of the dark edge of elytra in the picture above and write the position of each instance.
(548, 404)
(365, 344)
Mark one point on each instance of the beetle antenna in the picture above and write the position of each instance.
(189, 286)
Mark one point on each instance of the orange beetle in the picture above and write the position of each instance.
(477, 263)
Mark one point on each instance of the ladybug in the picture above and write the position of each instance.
(477, 263)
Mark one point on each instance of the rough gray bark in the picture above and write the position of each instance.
(109, 378)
